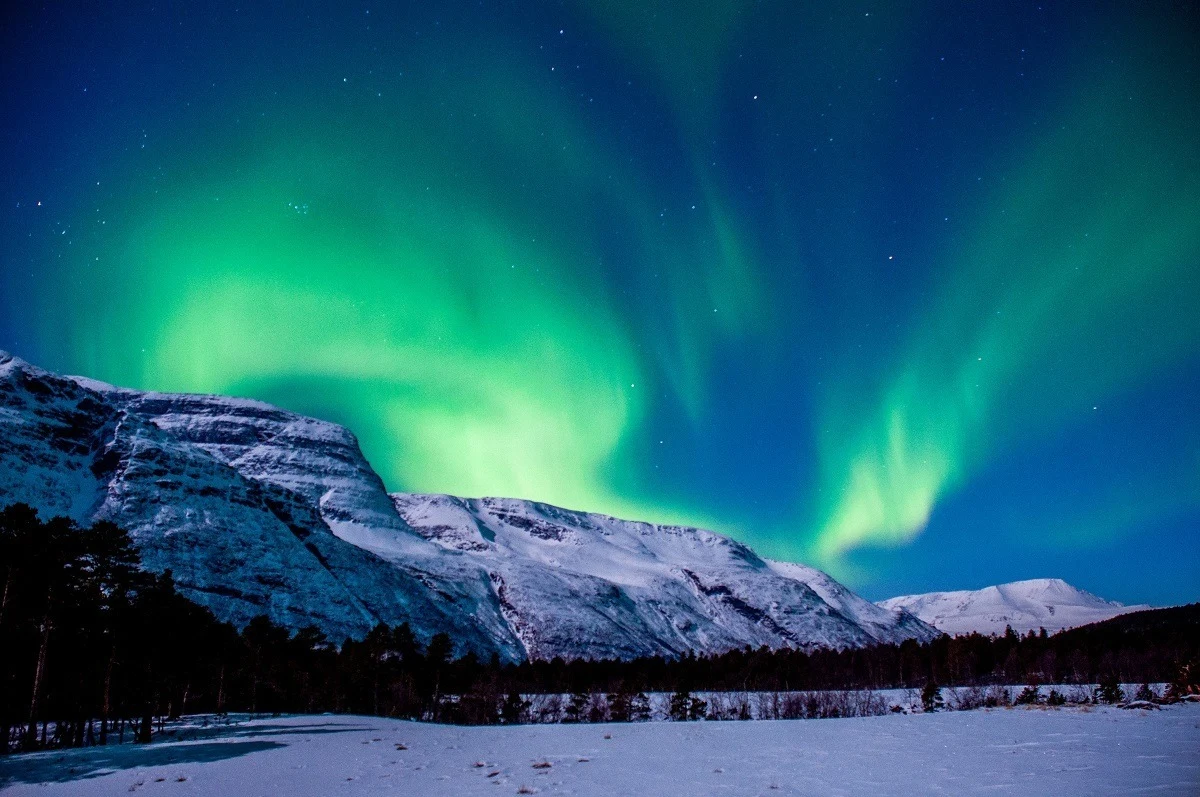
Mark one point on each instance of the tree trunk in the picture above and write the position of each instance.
(8, 579)
(38, 675)
(221, 690)
(146, 726)
(106, 707)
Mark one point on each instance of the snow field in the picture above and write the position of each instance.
(1087, 751)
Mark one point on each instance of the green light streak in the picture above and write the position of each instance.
(473, 336)
(1075, 279)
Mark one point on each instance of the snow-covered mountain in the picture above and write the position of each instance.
(1049, 603)
(261, 511)
(575, 583)
(255, 510)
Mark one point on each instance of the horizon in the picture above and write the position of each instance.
(905, 295)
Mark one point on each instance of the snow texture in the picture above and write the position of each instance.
(1099, 751)
(1048, 603)
(261, 511)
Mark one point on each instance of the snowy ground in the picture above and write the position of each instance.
(1002, 751)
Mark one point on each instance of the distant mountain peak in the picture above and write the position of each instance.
(1028, 605)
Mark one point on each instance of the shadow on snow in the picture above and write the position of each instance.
(170, 749)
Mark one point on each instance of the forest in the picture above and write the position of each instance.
(96, 650)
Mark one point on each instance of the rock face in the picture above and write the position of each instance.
(260, 511)
(1049, 603)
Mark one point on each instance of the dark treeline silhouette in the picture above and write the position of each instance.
(95, 650)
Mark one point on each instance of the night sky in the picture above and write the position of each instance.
(910, 292)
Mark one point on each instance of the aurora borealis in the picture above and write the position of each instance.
(908, 293)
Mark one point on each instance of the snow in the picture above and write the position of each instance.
(244, 502)
(1048, 603)
(581, 584)
(1028, 751)
(262, 511)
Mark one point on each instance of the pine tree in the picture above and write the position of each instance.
(577, 708)
(685, 707)
(597, 710)
(639, 708)
(1186, 681)
(678, 708)
(931, 697)
(1029, 696)
(618, 706)
(515, 709)
(1109, 690)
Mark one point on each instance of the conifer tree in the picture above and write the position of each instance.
(678, 707)
(639, 708)
(618, 706)
(515, 709)
(1109, 690)
(577, 707)
(931, 697)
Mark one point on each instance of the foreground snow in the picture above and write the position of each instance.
(1027, 751)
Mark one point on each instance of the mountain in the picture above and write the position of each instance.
(576, 584)
(257, 510)
(1049, 603)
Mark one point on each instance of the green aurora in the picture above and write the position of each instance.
(811, 278)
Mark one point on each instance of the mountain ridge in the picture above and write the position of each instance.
(258, 510)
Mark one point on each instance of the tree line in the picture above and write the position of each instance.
(96, 650)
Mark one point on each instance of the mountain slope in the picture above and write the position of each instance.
(261, 511)
(576, 582)
(255, 510)
(1048, 603)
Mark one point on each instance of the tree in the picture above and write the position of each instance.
(1029, 696)
(684, 707)
(639, 708)
(1186, 681)
(618, 706)
(515, 709)
(1109, 690)
(56, 566)
(18, 529)
(437, 656)
(439, 652)
(577, 708)
(597, 710)
(931, 696)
